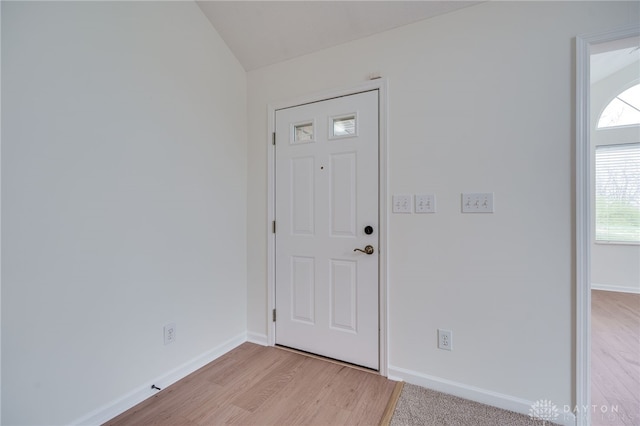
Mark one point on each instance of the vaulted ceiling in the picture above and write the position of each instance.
(262, 33)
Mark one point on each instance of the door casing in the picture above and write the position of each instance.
(380, 85)
(584, 214)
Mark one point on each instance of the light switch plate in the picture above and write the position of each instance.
(425, 203)
(402, 203)
(477, 202)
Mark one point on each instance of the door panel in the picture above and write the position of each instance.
(303, 289)
(326, 193)
(343, 194)
(343, 295)
(302, 196)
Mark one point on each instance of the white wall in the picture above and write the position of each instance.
(0, 216)
(613, 266)
(123, 200)
(481, 99)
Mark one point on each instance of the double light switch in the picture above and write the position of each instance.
(424, 203)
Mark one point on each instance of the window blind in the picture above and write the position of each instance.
(617, 193)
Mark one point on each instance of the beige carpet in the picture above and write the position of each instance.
(425, 407)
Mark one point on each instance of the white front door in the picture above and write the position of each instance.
(326, 213)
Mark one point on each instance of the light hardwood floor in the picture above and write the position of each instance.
(615, 358)
(256, 385)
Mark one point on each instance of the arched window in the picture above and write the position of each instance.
(623, 110)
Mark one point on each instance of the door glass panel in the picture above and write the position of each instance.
(344, 126)
(303, 132)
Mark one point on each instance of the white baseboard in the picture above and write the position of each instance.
(483, 396)
(257, 338)
(136, 396)
(616, 288)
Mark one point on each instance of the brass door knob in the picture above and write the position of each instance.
(367, 250)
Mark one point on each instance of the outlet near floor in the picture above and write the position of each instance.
(169, 333)
(444, 340)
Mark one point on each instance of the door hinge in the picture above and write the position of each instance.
(273, 226)
(274, 315)
(273, 139)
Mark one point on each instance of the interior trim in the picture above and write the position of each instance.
(583, 214)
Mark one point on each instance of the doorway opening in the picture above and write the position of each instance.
(608, 227)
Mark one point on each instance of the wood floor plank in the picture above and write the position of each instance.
(341, 392)
(298, 392)
(255, 385)
(249, 370)
(328, 415)
(237, 370)
(370, 390)
(270, 384)
(226, 415)
(299, 399)
(615, 358)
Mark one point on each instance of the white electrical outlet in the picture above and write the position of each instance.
(402, 204)
(425, 203)
(475, 202)
(445, 340)
(169, 333)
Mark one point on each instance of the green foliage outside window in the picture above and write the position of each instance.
(618, 193)
(617, 221)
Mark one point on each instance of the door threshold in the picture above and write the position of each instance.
(331, 360)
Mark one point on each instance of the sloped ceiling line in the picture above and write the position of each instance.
(262, 33)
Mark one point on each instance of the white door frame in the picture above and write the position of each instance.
(380, 85)
(584, 214)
